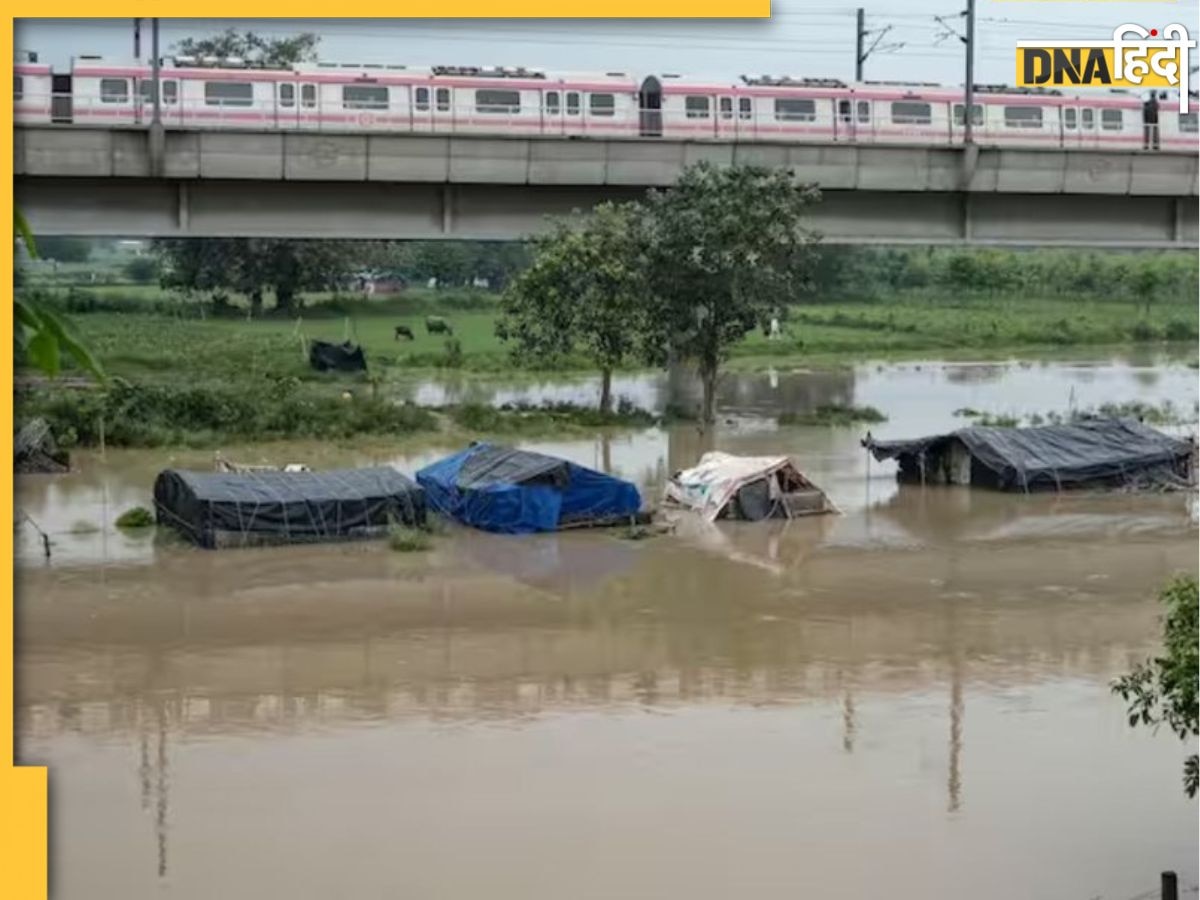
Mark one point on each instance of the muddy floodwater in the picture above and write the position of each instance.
(907, 700)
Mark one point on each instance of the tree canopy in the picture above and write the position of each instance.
(1164, 689)
(253, 48)
(726, 251)
(584, 293)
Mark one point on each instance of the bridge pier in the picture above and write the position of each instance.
(183, 208)
(447, 198)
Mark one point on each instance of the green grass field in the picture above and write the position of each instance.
(168, 347)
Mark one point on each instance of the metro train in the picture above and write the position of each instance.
(332, 97)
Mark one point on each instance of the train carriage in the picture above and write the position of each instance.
(358, 97)
(32, 91)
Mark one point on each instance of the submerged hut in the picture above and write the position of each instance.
(501, 489)
(224, 509)
(1098, 453)
(722, 485)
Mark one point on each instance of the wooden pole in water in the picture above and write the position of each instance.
(1170, 886)
(101, 429)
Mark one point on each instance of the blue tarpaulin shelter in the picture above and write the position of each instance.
(517, 492)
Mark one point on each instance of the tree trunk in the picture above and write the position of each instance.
(708, 377)
(606, 390)
(256, 303)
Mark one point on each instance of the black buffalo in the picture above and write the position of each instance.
(403, 331)
(437, 325)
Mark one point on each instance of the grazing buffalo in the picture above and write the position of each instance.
(403, 331)
(437, 325)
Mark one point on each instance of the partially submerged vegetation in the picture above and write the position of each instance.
(135, 517)
(403, 539)
(1164, 413)
(833, 414)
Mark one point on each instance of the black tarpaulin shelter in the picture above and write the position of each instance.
(1090, 453)
(324, 357)
(221, 509)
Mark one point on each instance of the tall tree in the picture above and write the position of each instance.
(253, 266)
(1164, 689)
(585, 293)
(65, 249)
(253, 48)
(726, 250)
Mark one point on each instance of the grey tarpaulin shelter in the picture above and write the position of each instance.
(221, 509)
(1090, 453)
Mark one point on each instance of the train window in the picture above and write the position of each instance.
(744, 108)
(1070, 119)
(287, 95)
(790, 110)
(602, 104)
(1022, 117)
(844, 113)
(114, 90)
(443, 99)
(146, 87)
(572, 103)
(552, 103)
(363, 96)
(18, 87)
(864, 112)
(308, 96)
(1112, 119)
(1088, 119)
(497, 102)
(976, 114)
(906, 112)
(422, 99)
(726, 107)
(1188, 123)
(228, 93)
(170, 92)
(696, 107)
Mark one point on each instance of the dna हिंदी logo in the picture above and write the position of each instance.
(1134, 58)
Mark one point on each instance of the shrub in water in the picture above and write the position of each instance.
(408, 540)
(138, 517)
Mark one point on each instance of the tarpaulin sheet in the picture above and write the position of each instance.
(297, 506)
(1100, 450)
(518, 492)
(710, 485)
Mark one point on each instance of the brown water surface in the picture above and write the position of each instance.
(908, 700)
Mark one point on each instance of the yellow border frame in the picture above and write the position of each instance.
(24, 821)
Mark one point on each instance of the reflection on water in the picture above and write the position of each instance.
(914, 693)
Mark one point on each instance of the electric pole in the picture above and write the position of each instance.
(157, 137)
(858, 49)
(137, 39)
(968, 112)
(861, 54)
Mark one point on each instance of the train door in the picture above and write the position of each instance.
(552, 113)
(650, 108)
(444, 113)
(1089, 126)
(287, 106)
(726, 124)
(60, 99)
(169, 107)
(308, 106)
(421, 107)
(1070, 124)
(843, 122)
(958, 123)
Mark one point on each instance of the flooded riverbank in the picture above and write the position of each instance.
(909, 699)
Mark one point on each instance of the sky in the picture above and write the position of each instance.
(814, 39)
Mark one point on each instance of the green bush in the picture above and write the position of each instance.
(137, 517)
(408, 540)
(833, 415)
